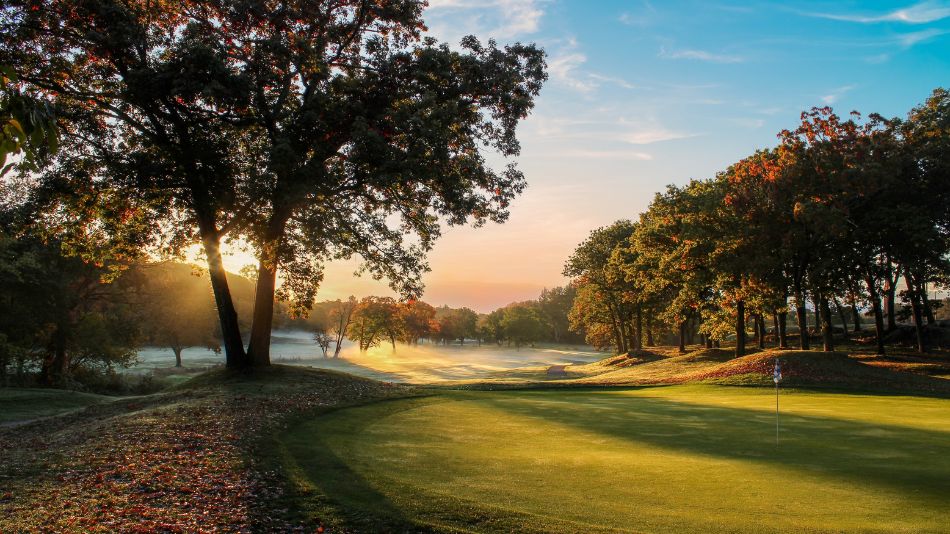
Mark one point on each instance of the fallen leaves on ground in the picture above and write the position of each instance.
(174, 462)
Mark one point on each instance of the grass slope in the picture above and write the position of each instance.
(25, 404)
(657, 459)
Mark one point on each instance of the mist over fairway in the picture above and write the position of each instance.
(420, 364)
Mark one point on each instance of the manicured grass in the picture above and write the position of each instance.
(24, 404)
(675, 458)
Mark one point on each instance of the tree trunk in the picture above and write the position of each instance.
(230, 331)
(761, 331)
(802, 315)
(638, 334)
(755, 329)
(890, 294)
(682, 347)
(842, 317)
(875, 300)
(816, 300)
(914, 295)
(740, 328)
(650, 330)
(856, 317)
(782, 327)
(177, 351)
(925, 297)
(775, 326)
(258, 350)
(826, 332)
(709, 342)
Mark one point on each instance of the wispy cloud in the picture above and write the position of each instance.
(621, 155)
(642, 17)
(908, 40)
(836, 94)
(650, 135)
(700, 55)
(502, 19)
(920, 13)
(622, 130)
(752, 124)
(565, 67)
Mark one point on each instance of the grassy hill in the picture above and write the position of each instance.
(650, 442)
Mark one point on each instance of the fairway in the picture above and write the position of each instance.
(686, 458)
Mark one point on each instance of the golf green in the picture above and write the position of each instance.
(683, 458)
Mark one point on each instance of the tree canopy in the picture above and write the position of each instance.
(306, 131)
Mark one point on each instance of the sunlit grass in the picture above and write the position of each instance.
(687, 458)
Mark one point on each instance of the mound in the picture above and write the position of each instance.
(805, 368)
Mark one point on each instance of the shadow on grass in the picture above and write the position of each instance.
(909, 460)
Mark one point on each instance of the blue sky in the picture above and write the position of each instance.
(643, 94)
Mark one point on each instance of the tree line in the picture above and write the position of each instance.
(373, 321)
(69, 322)
(845, 213)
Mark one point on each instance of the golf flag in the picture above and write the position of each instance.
(777, 373)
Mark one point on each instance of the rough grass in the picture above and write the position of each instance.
(187, 460)
(25, 404)
(656, 459)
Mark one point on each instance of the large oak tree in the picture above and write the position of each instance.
(310, 130)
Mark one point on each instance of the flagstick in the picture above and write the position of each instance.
(777, 377)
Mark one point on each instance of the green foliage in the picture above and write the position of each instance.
(523, 323)
(312, 132)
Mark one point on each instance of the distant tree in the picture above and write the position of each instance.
(456, 324)
(523, 324)
(374, 319)
(178, 309)
(323, 339)
(302, 129)
(416, 321)
(340, 316)
(555, 305)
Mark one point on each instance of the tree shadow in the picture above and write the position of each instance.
(913, 461)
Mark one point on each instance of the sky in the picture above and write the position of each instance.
(645, 94)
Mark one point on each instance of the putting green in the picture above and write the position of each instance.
(687, 458)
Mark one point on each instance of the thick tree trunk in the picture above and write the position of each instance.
(258, 350)
(802, 315)
(856, 317)
(177, 351)
(782, 326)
(826, 332)
(915, 306)
(227, 315)
(740, 328)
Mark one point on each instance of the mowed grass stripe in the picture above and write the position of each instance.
(651, 459)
